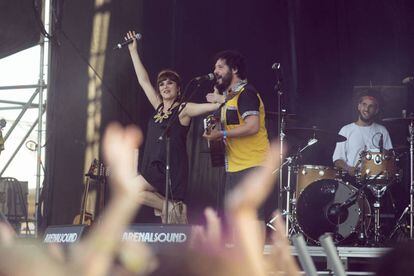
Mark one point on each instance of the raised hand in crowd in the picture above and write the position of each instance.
(95, 254)
(241, 208)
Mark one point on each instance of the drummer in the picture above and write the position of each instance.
(363, 134)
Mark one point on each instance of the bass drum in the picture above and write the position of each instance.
(324, 207)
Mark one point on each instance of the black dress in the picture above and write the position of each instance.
(154, 157)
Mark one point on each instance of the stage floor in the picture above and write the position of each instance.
(356, 260)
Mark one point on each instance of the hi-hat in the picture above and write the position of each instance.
(314, 132)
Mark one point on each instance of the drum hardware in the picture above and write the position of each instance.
(410, 139)
(315, 132)
(378, 191)
(289, 161)
(280, 126)
(288, 217)
(331, 206)
(286, 189)
(282, 114)
(282, 123)
(400, 223)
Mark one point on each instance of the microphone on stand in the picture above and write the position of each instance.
(208, 77)
(408, 80)
(121, 45)
(276, 66)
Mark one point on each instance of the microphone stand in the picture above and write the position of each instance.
(166, 135)
(281, 130)
(411, 141)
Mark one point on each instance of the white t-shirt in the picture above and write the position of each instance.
(360, 138)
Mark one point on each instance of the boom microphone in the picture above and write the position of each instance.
(209, 77)
(121, 45)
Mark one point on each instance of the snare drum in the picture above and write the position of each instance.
(381, 166)
(308, 174)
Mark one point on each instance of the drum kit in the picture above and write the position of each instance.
(355, 209)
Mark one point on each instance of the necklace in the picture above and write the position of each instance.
(160, 116)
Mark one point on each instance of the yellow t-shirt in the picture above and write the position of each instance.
(249, 151)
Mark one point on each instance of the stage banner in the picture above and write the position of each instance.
(158, 236)
(64, 234)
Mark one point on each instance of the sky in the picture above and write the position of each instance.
(20, 69)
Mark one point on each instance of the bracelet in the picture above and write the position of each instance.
(224, 133)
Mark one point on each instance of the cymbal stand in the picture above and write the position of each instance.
(400, 223)
(286, 213)
(281, 130)
(281, 141)
(411, 140)
(290, 161)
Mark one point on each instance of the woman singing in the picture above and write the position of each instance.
(165, 100)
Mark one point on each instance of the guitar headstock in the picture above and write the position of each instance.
(211, 122)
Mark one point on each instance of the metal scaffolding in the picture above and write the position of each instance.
(40, 88)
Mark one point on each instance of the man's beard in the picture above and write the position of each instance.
(225, 82)
(366, 120)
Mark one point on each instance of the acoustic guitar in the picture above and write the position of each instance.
(217, 148)
(93, 195)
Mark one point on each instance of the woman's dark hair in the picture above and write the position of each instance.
(234, 60)
(168, 74)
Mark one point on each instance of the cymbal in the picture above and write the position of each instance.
(289, 118)
(314, 132)
(399, 119)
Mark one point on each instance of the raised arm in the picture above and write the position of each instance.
(195, 109)
(215, 97)
(141, 72)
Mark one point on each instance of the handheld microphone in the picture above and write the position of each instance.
(121, 45)
(381, 143)
(209, 77)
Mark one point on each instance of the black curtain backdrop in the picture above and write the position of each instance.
(326, 48)
(20, 29)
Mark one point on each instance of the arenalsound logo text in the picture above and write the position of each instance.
(154, 237)
(61, 238)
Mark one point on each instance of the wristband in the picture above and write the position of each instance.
(224, 133)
